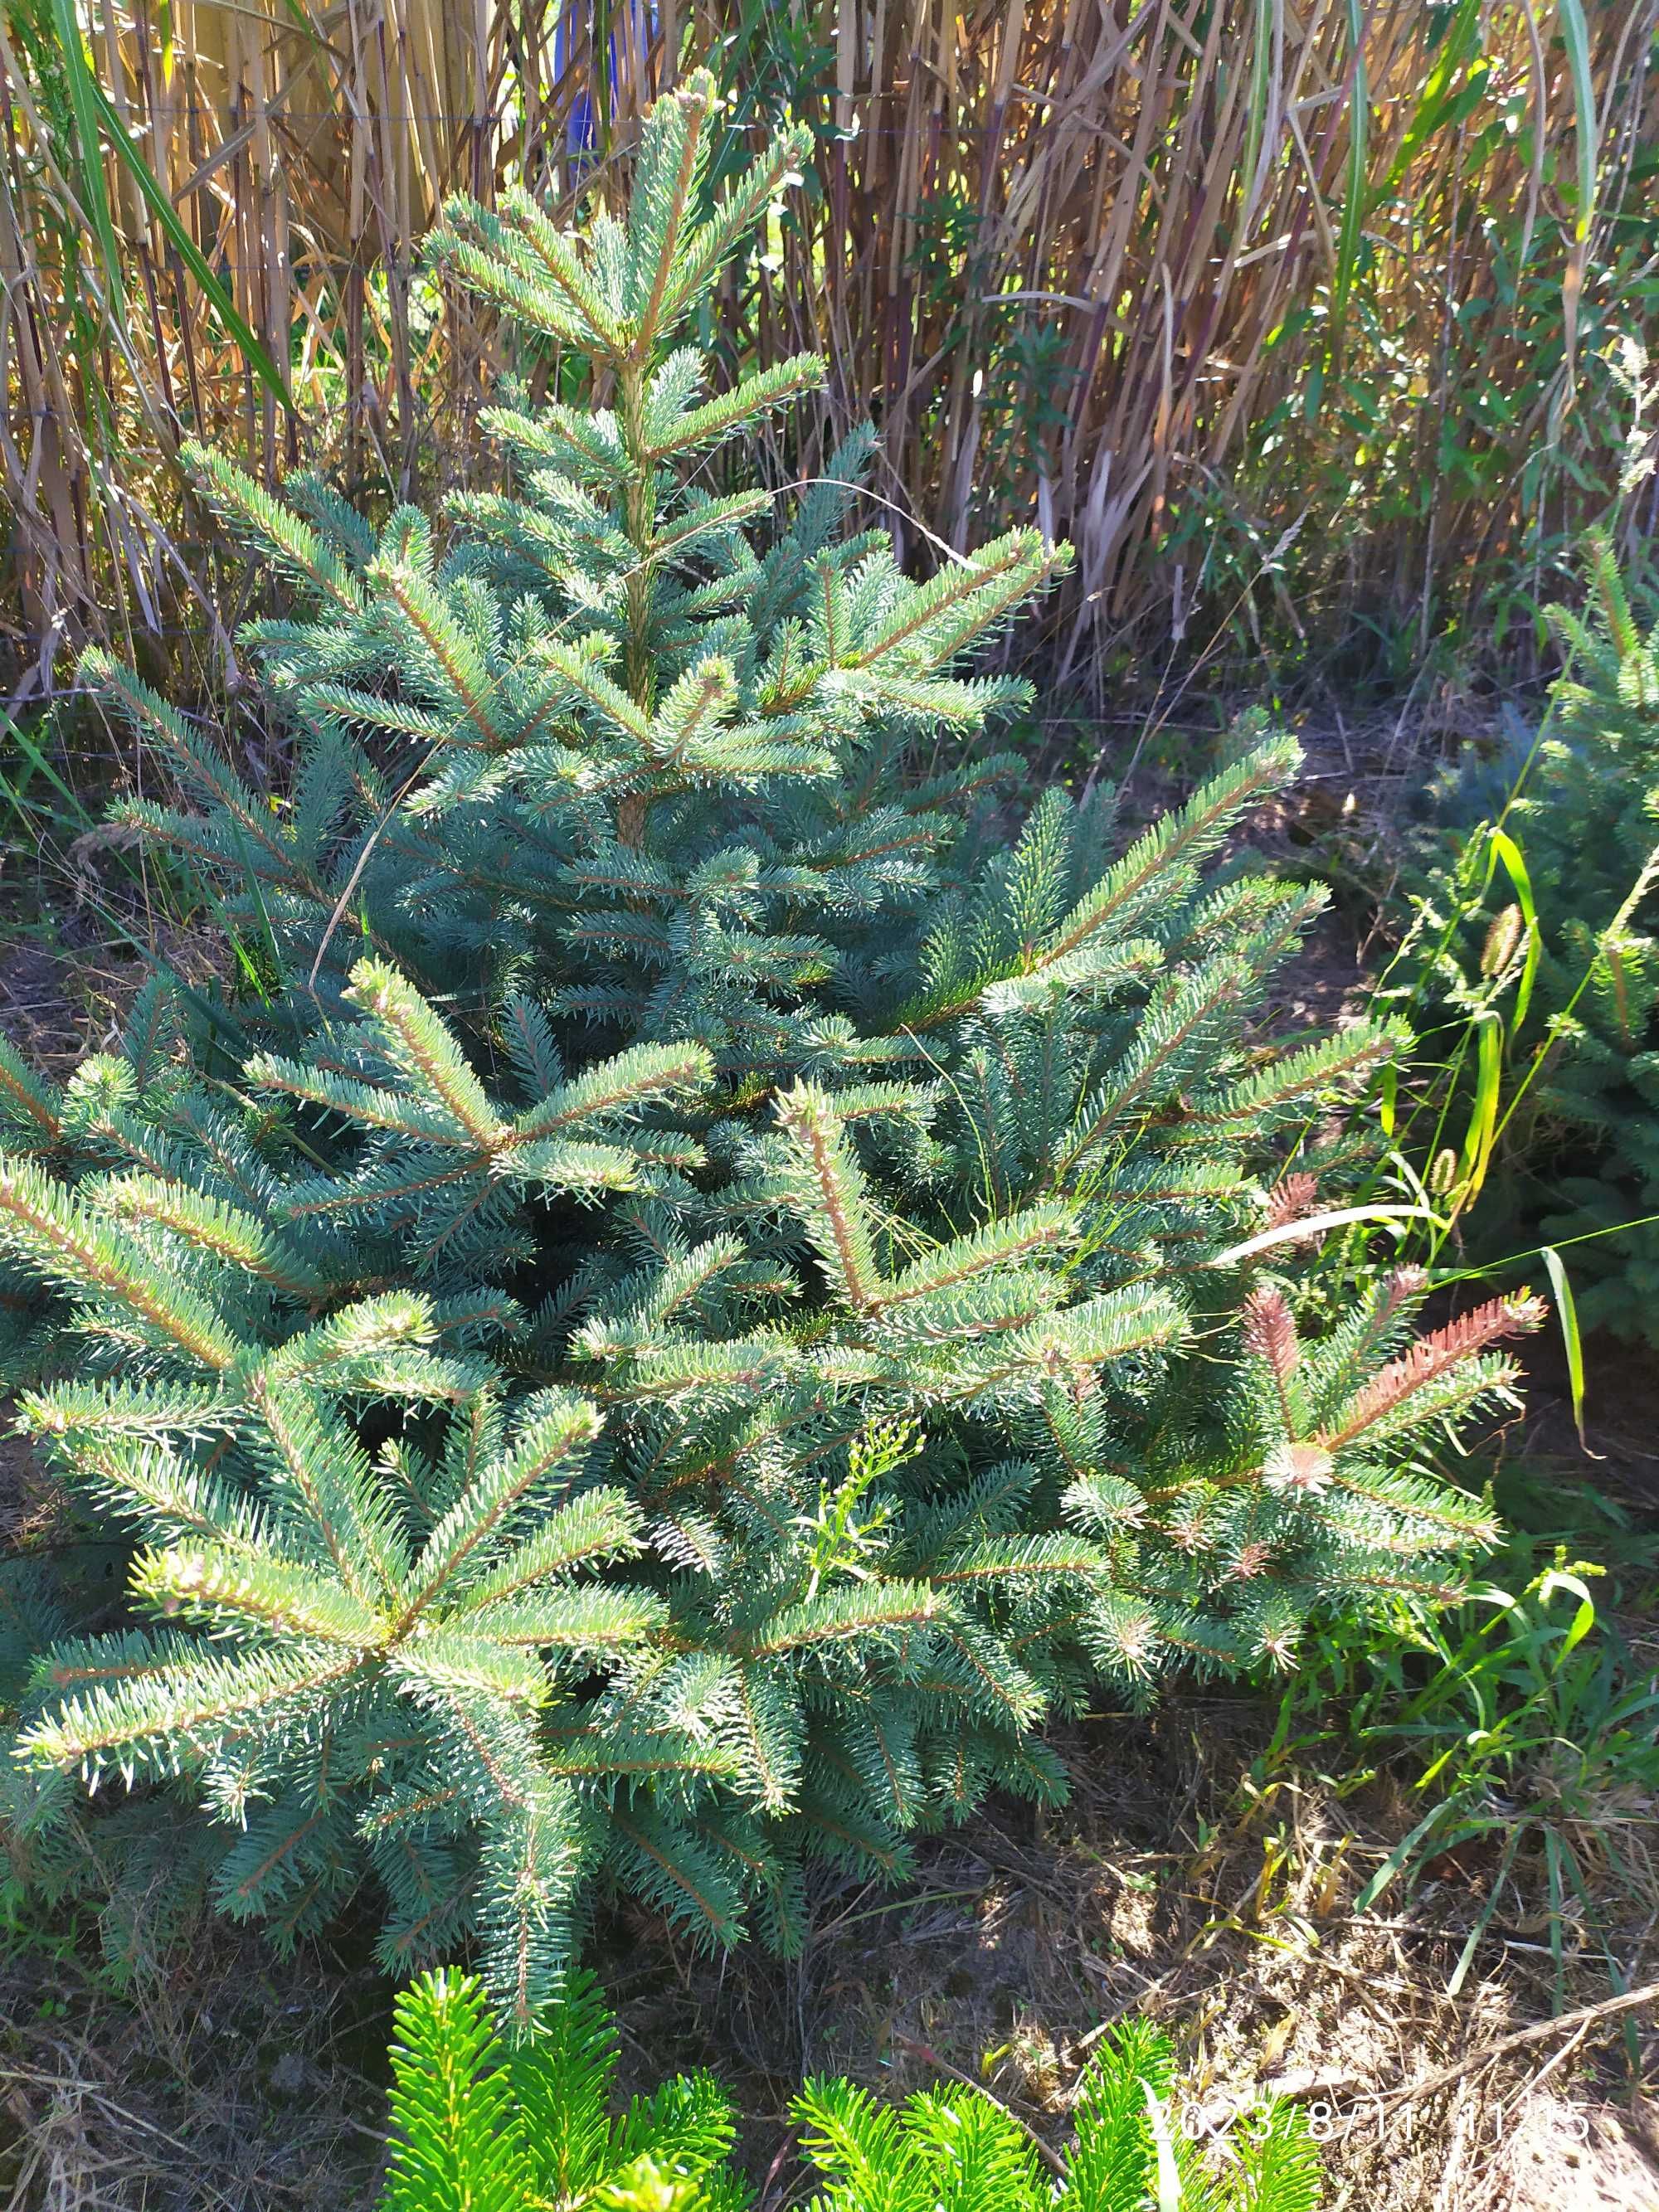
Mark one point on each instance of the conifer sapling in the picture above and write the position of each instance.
(698, 1301)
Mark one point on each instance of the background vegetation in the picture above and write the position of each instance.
(1293, 324)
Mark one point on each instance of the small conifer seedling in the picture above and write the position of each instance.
(529, 2129)
(700, 1296)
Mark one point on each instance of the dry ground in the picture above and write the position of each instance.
(1174, 1882)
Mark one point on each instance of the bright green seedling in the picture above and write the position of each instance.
(718, 1277)
(531, 2129)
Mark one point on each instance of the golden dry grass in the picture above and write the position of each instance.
(1073, 256)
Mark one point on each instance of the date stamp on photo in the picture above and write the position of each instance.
(1332, 2115)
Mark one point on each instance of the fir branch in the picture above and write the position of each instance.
(371, 1104)
(322, 1466)
(967, 597)
(997, 1560)
(172, 1717)
(736, 212)
(836, 1616)
(456, 2126)
(1269, 1332)
(1009, 1241)
(145, 1483)
(618, 1087)
(753, 395)
(214, 1226)
(273, 524)
(424, 1048)
(246, 1594)
(54, 1233)
(25, 1098)
(671, 158)
(561, 1427)
(1432, 1357)
(834, 1195)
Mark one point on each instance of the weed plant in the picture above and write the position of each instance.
(1524, 1724)
(1533, 975)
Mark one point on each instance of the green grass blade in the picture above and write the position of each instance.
(183, 244)
(16, 795)
(1402, 1851)
(1514, 863)
(1439, 91)
(1484, 1921)
(1575, 37)
(1261, 56)
(1568, 1311)
(1483, 1118)
(1353, 206)
(88, 162)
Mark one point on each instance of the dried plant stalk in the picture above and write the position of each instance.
(1167, 207)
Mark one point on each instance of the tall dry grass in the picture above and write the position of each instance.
(1074, 253)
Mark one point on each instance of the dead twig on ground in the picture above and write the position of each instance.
(1586, 2017)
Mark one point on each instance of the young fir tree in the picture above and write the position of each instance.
(696, 1303)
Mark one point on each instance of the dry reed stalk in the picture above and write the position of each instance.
(1170, 200)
